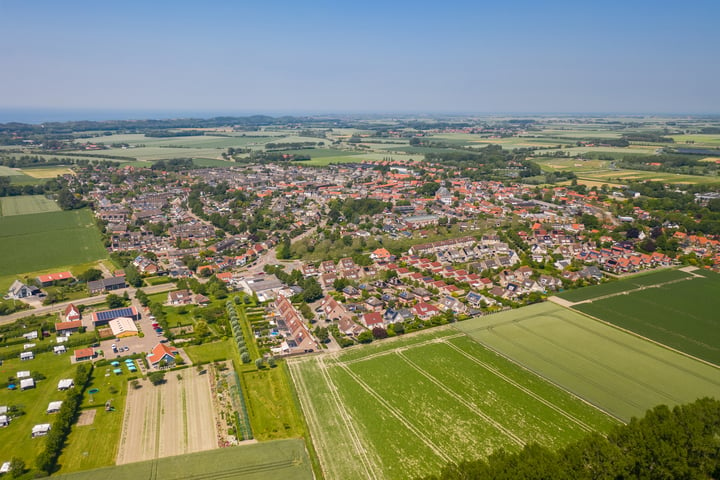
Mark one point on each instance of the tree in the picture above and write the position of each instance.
(156, 378)
(114, 301)
(271, 362)
(365, 337)
(379, 332)
(245, 357)
(132, 276)
(17, 467)
(90, 275)
(259, 363)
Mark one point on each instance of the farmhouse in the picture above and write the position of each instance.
(54, 407)
(65, 384)
(83, 354)
(103, 317)
(160, 352)
(71, 313)
(47, 280)
(106, 285)
(40, 430)
(123, 327)
(27, 383)
(66, 328)
(19, 290)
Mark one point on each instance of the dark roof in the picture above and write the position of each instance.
(107, 315)
(105, 283)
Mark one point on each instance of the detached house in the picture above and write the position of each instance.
(19, 290)
(162, 351)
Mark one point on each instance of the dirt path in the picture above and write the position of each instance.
(170, 419)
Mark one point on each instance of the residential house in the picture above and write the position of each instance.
(19, 290)
(162, 352)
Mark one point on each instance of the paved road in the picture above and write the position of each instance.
(58, 307)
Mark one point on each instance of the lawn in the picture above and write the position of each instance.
(682, 315)
(618, 372)
(277, 460)
(209, 352)
(26, 205)
(95, 445)
(15, 439)
(429, 399)
(625, 284)
(47, 240)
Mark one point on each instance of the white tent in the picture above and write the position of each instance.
(40, 430)
(26, 383)
(26, 356)
(54, 407)
(59, 349)
(65, 383)
(23, 374)
(5, 468)
(4, 421)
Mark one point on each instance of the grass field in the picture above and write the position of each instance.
(95, 445)
(682, 315)
(407, 406)
(9, 172)
(46, 240)
(50, 172)
(618, 372)
(26, 204)
(622, 285)
(277, 460)
(15, 439)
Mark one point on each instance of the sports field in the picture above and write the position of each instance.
(405, 407)
(624, 285)
(682, 315)
(46, 240)
(621, 373)
(26, 204)
(277, 460)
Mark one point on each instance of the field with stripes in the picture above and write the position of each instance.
(405, 407)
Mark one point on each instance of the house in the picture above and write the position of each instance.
(179, 297)
(453, 304)
(160, 352)
(40, 430)
(333, 309)
(19, 290)
(54, 407)
(27, 383)
(424, 310)
(71, 313)
(106, 285)
(66, 328)
(47, 280)
(83, 354)
(372, 320)
(395, 316)
(380, 254)
(65, 384)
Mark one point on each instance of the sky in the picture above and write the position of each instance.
(292, 57)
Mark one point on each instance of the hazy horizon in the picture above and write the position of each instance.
(279, 57)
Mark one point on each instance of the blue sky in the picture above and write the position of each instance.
(632, 56)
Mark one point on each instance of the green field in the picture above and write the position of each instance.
(277, 460)
(623, 285)
(8, 172)
(46, 240)
(15, 439)
(26, 204)
(682, 315)
(618, 372)
(414, 403)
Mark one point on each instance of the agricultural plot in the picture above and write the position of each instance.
(46, 240)
(15, 438)
(174, 418)
(278, 460)
(50, 172)
(682, 315)
(408, 406)
(624, 285)
(27, 204)
(618, 372)
(9, 172)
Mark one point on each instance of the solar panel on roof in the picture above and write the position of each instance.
(113, 314)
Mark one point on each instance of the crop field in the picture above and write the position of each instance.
(50, 172)
(26, 204)
(9, 172)
(277, 460)
(624, 285)
(409, 405)
(698, 140)
(15, 438)
(682, 315)
(46, 240)
(618, 372)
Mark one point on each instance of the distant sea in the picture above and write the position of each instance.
(36, 116)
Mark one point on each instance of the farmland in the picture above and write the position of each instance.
(374, 401)
(682, 315)
(620, 373)
(46, 240)
(26, 204)
(623, 285)
(275, 460)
